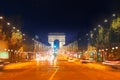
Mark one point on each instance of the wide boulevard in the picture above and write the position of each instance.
(59, 70)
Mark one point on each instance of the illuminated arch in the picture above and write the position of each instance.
(56, 36)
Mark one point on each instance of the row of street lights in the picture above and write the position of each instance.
(14, 28)
(93, 33)
(19, 35)
(16, 35)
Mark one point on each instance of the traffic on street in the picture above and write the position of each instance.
(60, 70)
(59, 39)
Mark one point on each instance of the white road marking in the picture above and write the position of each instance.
(54, 74)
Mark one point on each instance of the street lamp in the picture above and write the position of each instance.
(15, 51)
(105, 20)
(1, 17)
(33, 39)
(11, 50)
(116, 47)
(5, 49)
(106, 49)
(113, 48)
(94, 29)
(18, 30)
(8, 50)
(13, 27)
(23, 34)
(8, 23)
(99, 25)
(114, 15)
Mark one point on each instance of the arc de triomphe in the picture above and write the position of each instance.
(56, 36)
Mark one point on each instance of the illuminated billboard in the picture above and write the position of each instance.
(4, 55)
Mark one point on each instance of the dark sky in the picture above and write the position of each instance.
(69, 16)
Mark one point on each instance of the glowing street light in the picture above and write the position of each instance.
(102, 49)
(99, 50)
(33, 39)
(23, 34)
(5, 49)
(105, 20)
(113, 15)
(1, 17)
(11, 50)
(113, 48)
(8, 23)
(99, 25)
(15, 50)
(95, 29)
(116, 47)
(106, 49)
(8, 50)
(13, 27)
(18, 30)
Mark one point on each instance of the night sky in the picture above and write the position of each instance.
(39, 17)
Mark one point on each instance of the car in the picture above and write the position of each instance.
(111, 62)
(1, 65)
(71, 60)
(85, 61)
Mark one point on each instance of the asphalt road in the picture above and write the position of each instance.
(62, 70)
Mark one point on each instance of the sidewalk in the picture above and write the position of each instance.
(18, 65)
(113, 64)
(95, 65)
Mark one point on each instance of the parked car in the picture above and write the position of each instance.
(71, 60)
(1, 65)
(84, 61)
(111, 62)
(87, 61)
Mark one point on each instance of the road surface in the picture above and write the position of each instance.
(61, 70)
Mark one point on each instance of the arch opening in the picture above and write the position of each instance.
(56, 43)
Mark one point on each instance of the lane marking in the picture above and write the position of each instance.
(54, 74)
